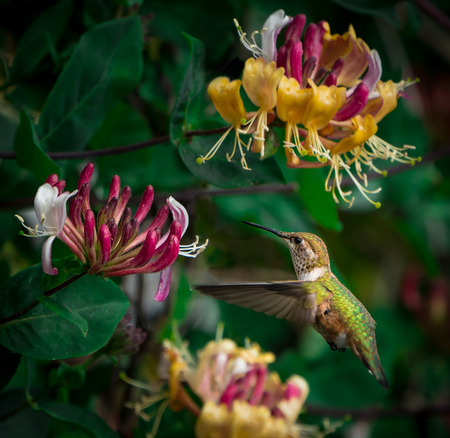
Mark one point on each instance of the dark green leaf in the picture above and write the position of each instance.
(65, 312)
(219, 172)
(19, 420)
(34, 45)
(316, 199)
(42, 334)
(106, 65)
(79, 417)
(29, 153)
(8, 366)
(50, 281)
(187, 105)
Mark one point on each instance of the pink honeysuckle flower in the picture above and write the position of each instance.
(111, 244)
(50, 208)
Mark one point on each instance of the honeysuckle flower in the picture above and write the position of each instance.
(260, 81)
(111, 244)
(324, 87)
(228, 102)
(238, 396)
(50, 207)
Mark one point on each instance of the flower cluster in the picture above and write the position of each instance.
(111, 244)
(325, 88)
(239, 396)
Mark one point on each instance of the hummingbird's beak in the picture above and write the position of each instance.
(271, 230)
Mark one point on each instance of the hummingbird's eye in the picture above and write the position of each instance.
(298, 240)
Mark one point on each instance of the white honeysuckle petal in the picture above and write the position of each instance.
(58, 215)
(46, 256)
(274, 23)
(372, 76)
(44, 200)
(179, 214)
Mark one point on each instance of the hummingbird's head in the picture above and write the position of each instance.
(308, 251)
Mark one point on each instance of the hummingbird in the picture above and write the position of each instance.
(317, 298)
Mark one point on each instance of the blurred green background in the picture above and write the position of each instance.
(395, 260)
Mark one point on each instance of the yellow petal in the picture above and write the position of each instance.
(227, 100)
(364, 129)
(260, 82)
(324, 104)
(334, 47)
(214, 421)
(292, 101)
(388, 92)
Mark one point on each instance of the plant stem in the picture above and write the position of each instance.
(48, 293)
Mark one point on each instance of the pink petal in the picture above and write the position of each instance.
(164, 284)
(295, 29)
(295, 61)
(354, 104)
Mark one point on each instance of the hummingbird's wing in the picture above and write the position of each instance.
(295, 301)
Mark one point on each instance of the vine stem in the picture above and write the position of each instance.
(11, 155)
(48, 293)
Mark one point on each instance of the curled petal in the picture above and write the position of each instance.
(85, 175)
(164, 284)
(334, 47)
(179, 214)
(354, 104)
(46, 255)
(145, 204)
(364, 129)
(273, 26)
(373, 74)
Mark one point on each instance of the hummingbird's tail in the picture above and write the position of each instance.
(375, 368)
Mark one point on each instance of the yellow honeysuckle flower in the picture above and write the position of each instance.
(364, 129)
(322, 107)
(228, 102)
(260, 81)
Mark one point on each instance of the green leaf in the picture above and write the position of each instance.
(8, 366)
(20, 420)
(80, 417)
(106, 65)
(64, 312)
(42, 334)
(29, 153)
(34, 45)
(316, 199)
(50, 281)
(187, 105)
(219, 172)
